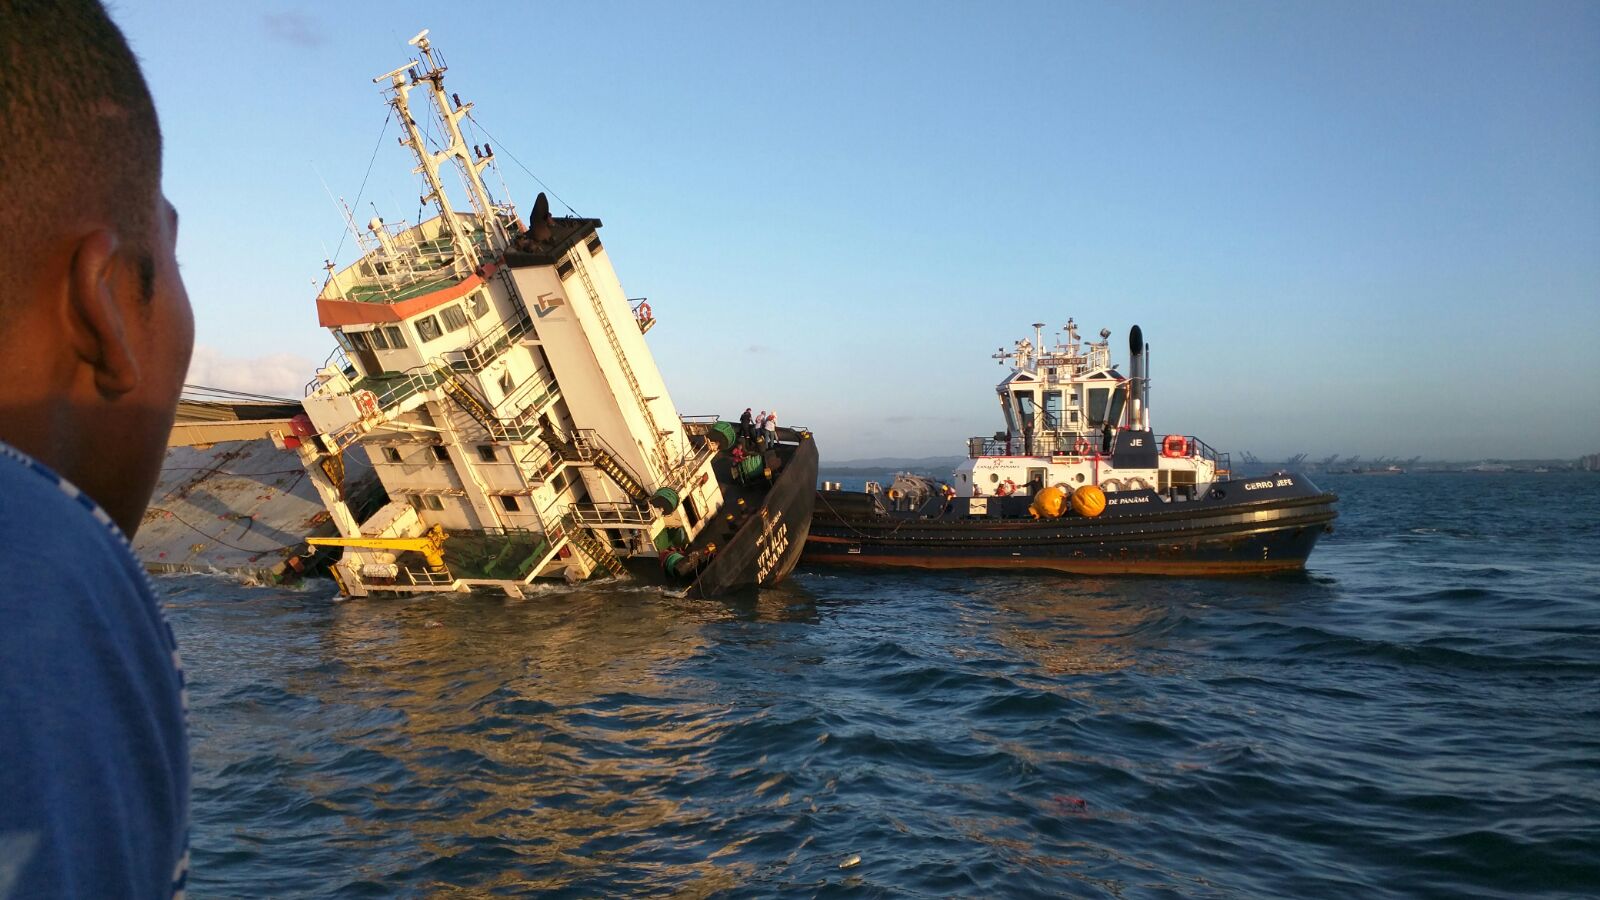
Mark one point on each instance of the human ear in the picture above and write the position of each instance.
(96, 307)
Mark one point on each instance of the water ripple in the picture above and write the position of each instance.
(1412, 717)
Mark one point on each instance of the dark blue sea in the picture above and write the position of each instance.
(1418, 715)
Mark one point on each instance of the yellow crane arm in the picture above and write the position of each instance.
(430, 545)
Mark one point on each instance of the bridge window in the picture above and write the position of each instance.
(390, 454)
(486, 453)
(453, 317)
(1052, 409)
(428, 328)
(397, 338)
(440, 453)
(509, 503)
(478, 304)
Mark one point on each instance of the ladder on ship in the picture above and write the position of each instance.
(592, 547)
(590, 449)
(576, 257)
(497, 428)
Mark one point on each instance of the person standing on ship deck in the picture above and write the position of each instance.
(747, 428)
(770, 427)
(96, 329)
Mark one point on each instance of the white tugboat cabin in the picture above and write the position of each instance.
(1071, 419)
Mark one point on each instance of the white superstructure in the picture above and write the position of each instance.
(1072, 419)
(497, 377)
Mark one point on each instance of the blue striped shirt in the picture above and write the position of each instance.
(94, 756)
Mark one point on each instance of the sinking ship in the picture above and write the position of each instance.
(494, 376)
(1078, 482)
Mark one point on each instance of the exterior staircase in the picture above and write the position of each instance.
(588, 447)
(595, 549)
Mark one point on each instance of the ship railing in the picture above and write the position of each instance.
(538, 461)
(531, 395)
(1045, 443)
(601, 515)
(427, 577)
(339, 362)
(489, 347)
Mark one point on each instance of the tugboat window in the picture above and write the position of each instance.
(377, 339)
(397, 338)
(415, 500)
(1052, 409)
(440, 453)
(391, 454)
(478, 305)
(509, 502)
(344, 340)
(994, 477)
(1105, 405)
(690, 513)
(486, 453)
(433, 501)
(428, 328)
(454, 318)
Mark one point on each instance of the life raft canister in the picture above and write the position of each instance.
(1175, 445)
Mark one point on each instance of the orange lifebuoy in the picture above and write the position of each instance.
(643, 311)
(1081, 448)
(1174, 446)
(1006, 488)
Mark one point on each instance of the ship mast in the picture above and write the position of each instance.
(401, 82)
(471, 169)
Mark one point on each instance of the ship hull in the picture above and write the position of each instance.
(767, 545)
(1253, 526)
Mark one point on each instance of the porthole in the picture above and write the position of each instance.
(994, 477)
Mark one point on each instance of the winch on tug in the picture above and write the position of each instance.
(1077, 481)
(497, 376)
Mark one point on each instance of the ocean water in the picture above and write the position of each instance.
(1416, 716)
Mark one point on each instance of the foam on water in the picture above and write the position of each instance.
(1415, 715)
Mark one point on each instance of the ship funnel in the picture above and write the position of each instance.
(541, 223)
(1136, 414)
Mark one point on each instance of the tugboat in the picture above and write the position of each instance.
(497, 377)
(1078, 482)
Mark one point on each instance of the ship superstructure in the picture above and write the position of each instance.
(497, 376)
(1073, 419)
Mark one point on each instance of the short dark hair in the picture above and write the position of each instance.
(77, 124)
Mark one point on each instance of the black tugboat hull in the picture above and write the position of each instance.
(767, 545)
(1252, 526)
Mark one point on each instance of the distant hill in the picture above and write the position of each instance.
(937, 465)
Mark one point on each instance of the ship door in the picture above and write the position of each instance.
(1035, 480)
(366, 354)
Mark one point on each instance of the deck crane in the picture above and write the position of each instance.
(430, 545)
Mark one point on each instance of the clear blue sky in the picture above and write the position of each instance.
(1367, 228)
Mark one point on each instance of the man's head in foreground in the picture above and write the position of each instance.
(95, 326)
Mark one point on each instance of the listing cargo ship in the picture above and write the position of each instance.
(1078, 482)
(495, 377)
